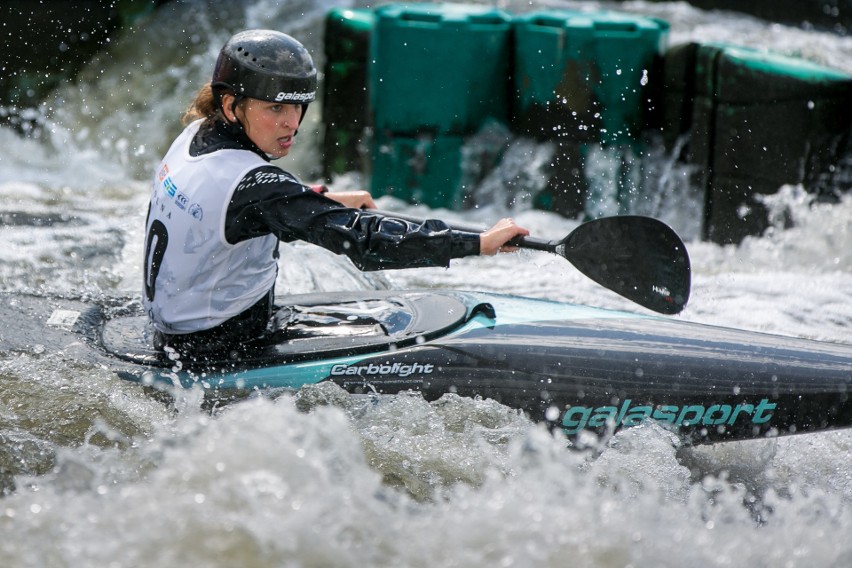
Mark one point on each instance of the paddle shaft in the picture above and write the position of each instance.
(534, 244)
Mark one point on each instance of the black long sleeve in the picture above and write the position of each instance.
(269, 200)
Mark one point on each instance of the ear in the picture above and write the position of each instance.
(227, 107)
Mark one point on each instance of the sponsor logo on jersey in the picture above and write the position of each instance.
(181, 199)
(169, 186)
(196, 211)
(578, 418)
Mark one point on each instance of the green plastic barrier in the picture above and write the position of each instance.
(345, 102)
(756, 121)
(439, 68)
(347, 34)
(585, 76)
(423, 169)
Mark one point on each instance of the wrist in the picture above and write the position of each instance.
(465, 244)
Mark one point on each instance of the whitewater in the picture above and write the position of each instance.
(94, 472)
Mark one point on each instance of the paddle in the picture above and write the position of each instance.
(640, 258)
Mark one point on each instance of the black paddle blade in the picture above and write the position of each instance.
(640, 258)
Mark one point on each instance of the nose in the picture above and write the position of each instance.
(291, 116)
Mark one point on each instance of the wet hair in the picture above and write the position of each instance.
(206, 105)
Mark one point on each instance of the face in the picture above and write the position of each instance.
(270, 125)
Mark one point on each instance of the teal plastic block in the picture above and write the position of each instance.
(586, 76)
(441, 68)
(424, 169)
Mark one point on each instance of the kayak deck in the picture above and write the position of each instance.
(313, 328)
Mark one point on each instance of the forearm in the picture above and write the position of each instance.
(377, 242)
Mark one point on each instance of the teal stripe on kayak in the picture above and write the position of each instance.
(511, 310)
(288, 376)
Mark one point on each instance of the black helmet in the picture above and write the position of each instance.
(266, 65)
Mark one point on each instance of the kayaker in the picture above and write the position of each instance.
(219, 207)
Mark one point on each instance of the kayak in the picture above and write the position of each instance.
(574, 367)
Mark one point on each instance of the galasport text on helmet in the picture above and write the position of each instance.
(266, 65)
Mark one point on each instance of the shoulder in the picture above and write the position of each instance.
(269, 176)
(265, 184)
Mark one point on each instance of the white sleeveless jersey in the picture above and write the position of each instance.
(194, 278)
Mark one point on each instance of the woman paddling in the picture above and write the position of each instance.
(219, 207)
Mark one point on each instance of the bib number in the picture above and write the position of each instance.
(155, 249)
